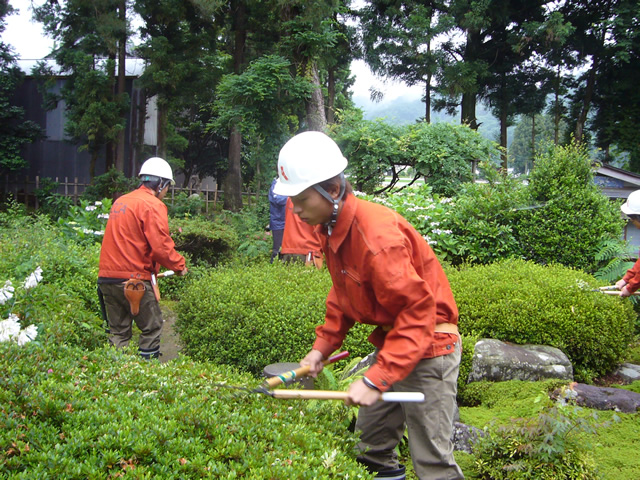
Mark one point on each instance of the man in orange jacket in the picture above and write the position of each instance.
(630, 282)
(136, 242)
(299, 242)
(384, 274)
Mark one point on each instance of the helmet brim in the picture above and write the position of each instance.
(288, 190)
(626, 210)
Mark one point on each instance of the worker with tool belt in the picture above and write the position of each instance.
(630, 282)
(385, 274)
(136, 242)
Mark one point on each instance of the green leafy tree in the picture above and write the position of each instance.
(574, 217)
(89, 37)
(398, 41)
(532, 135)
(15, 131)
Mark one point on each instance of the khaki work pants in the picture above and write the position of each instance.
(429, 423)
(148, 320)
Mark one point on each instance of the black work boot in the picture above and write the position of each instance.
(392, 473)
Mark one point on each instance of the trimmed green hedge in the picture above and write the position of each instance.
(525, 303)
(70, 413)
(205, 241)
(258, 314)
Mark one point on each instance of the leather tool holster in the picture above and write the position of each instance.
(133, 292)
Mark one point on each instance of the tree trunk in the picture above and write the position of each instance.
(468, 105)
(533, 137)
(122, 54)
(316, 119)
(427, 100)
(586, 102)
(232, 184)
(503, 139)
(556, 113)
(233, 181)
(161, 147)
(331, 96)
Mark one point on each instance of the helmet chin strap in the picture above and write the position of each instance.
(334, 201)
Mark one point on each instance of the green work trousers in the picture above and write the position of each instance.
(429, 423)
(149, 319)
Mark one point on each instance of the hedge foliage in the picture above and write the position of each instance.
(77, 414)
(205, 241)
(257, 315)
(526, 303)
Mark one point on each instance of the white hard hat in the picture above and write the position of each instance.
(305, 160)
(632, 205)
(157, 167)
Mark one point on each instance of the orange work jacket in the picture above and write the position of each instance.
(632, 277)
(384, 273)
(136, 240)
(299, 238)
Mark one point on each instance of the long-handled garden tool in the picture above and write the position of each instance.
(612, 290)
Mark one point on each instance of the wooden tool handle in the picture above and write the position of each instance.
(617, 292)
(168, 273)
(301, 371)
(333, 395)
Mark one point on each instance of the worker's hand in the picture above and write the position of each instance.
(182, 273)
(625, 292)
(360, 394)
(620, 284)
(314, 360)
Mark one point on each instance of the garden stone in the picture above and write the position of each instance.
(604, 398)
(464, 436)
(498, 361)
(628, 372)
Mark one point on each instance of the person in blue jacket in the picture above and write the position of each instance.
(277, 205)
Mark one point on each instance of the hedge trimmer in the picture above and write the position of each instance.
(288, 377)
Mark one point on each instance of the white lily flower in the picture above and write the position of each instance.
(33, 279)
(6, 292)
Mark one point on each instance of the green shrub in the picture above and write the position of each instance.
(111, 184)
(550, 446)
(255, 243)
(259, 314)
(525, 303)
(206, 241)
(183, 205)
(576, 218)
(65, 303)
(69, 413)
(484, 219)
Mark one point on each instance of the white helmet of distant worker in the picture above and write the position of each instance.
(157, 167)
(632, 205)
(306, 160)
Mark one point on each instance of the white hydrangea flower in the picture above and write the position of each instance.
(103, 215)
(98, 203)
(9, 328)
(6, 292)
(27, 335)
(90, 208)
(33, 279)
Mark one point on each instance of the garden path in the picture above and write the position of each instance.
(169, 341)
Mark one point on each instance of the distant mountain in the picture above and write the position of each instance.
(407, 109)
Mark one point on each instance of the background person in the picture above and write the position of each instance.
(630, 282)
(300, 243)
(136, 242)
(385, 274)
(276, 219)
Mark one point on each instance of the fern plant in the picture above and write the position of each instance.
(616, 258)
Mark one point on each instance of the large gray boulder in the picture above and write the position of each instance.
(497, 361)
(601, 398)
(628, 372)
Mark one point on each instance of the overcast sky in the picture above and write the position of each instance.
(30, 42)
